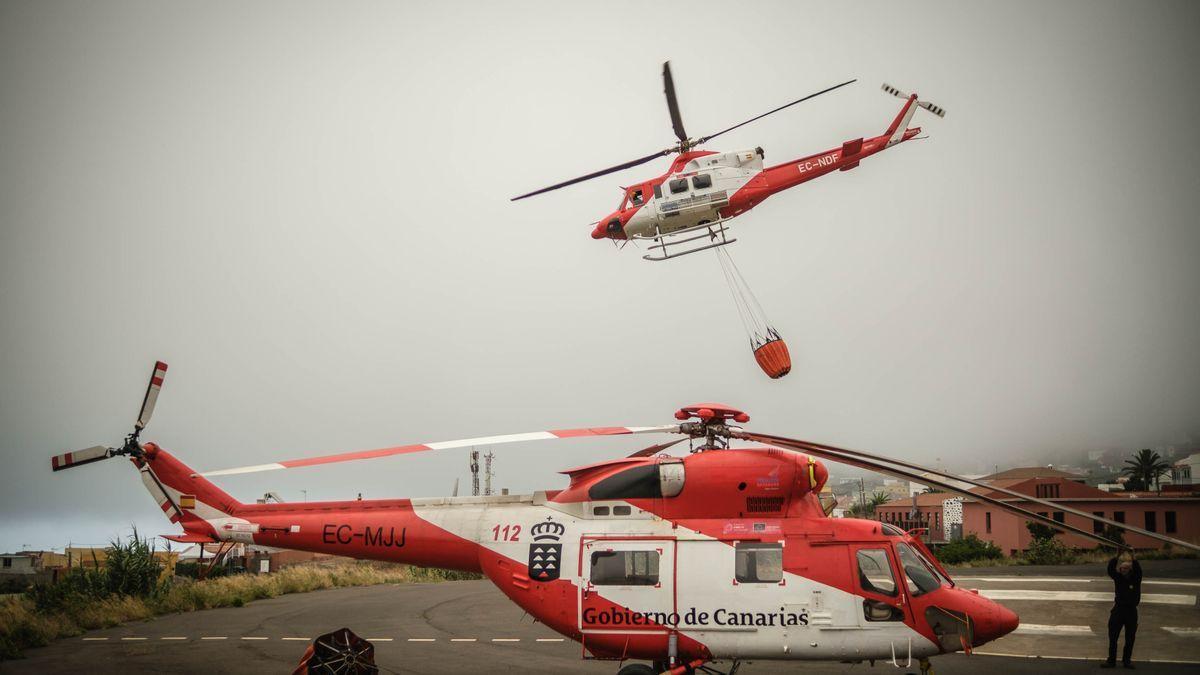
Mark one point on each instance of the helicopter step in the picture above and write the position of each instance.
(716, 232)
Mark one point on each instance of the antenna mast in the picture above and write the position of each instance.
(488, 473)
(474, 472)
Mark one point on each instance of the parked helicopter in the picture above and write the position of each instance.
(690, 204)
(724, 554)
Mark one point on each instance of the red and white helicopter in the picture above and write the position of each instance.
(689, 205)
(725, 554)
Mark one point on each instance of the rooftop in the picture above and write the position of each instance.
(1027, 472)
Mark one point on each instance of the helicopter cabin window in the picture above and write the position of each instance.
(920, 578)
(636, 197)
(622, 510)
(701, 181)
(599, 510)
(678, 185)
(625, 568)
(875, 572)
(658, 191)
(758, 563)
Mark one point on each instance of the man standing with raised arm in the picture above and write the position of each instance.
(1126, 574)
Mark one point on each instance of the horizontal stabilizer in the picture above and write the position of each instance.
(190, 538)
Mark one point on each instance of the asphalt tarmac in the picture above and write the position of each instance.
(470, 627)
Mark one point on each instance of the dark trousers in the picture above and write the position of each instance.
(1122, 617)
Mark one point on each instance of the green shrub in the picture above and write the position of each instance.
(968, 549)
(1049, 552)
(132, 568)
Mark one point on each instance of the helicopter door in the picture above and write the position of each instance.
(875, 576)
(628, 585)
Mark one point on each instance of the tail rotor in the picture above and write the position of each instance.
(131, 446)
(933, 108)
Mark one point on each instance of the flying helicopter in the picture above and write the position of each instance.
(724, 554)
(687, 209)
(689, 206)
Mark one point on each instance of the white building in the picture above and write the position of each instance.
(17, 563)
(1186, 471)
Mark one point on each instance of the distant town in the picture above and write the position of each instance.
(1150, 488)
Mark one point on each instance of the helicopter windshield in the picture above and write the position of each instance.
(920, 576)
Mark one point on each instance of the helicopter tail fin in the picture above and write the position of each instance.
(897, 131)
(186, 498)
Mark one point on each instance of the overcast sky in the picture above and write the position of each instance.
(304, 209)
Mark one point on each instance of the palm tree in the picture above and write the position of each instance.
(1145, 467)
(867, 509)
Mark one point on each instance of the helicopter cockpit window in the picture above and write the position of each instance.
(874, 571)
(635, 197)
(624, 568)
(701, 181)
(758, 563)
(920, 578)
(678, 185)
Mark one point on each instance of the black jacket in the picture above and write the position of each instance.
(1128, 588)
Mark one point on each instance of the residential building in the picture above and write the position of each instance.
(1174, 514)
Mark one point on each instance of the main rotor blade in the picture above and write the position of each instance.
(152, 389)
(879, 462)
(597, 174)
(673, 104)
(446, 445)
(71, 460)
(704, 139)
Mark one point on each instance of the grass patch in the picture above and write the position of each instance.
(38, 617)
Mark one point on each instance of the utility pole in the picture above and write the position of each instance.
(474, 461)
(488, 473)
(862, 498)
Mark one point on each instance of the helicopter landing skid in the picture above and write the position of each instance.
(715, 232)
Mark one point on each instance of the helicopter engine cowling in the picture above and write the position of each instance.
(719, 483)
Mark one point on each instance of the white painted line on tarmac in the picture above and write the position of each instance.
(248, 637)
(1077, 658)
(551, 639)
(296, 639)
(1084, 596)
(173, 637)
(1029, 655)
(1076, 580)
(1042, 629)
(422, 639)
(378, 639)
(462, 639)
(1070, 580)
(215, 637)
(1195, 584)
(131, 639)
(94, 639)
(506, 639)
(1184, 631)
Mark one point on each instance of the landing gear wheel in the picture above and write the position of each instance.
(637, 669)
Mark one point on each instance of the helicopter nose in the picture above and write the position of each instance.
(992, 621)
(609, 228)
